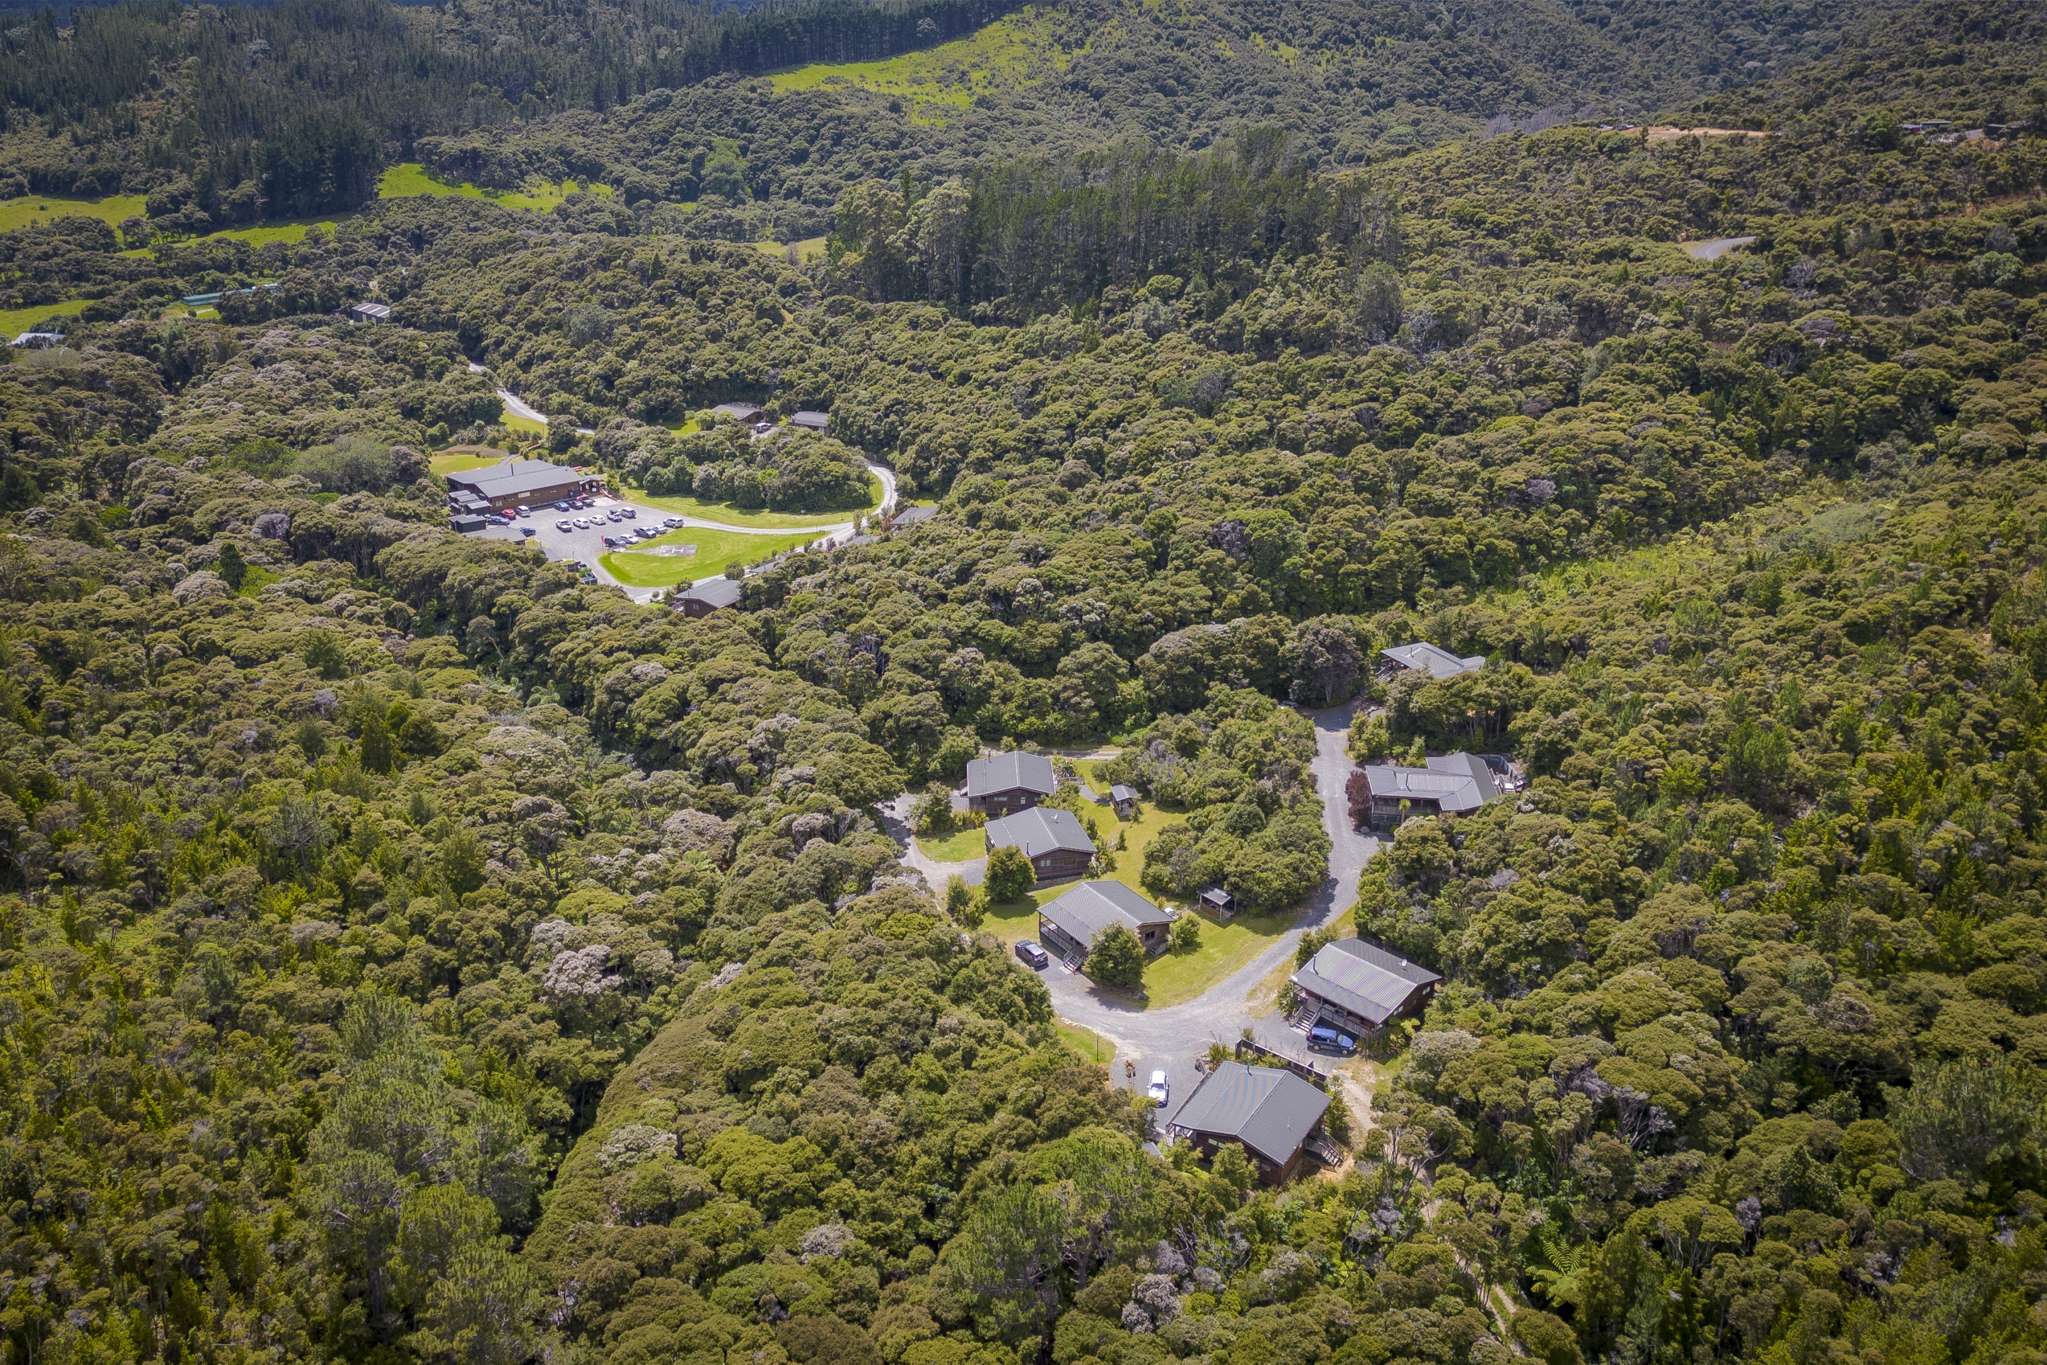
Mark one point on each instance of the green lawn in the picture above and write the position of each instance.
(1085, 1043)
(806, 248)
(1174, 977)
(683, 505)
(31, 209)
(955, 847)
(409, 179)
(262, 234)
(715, 549)
(16, 320)
(1017, 49)
(451, 462)
(1011, 921)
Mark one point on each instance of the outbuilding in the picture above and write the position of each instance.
(369, 312)
(747, 413)
(809, 420)
(1051, 838)
(1124, 799)
(713, 594)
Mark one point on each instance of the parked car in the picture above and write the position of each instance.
(562, 525)
(629, 513)
(1324, 1038)
(670, 523)
(509, 515)
(525, 511)
(1033, 956)
(645, 532)
(1159, 1091)
(526, 531)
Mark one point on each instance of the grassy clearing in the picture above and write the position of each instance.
(956, 847)
(1174, 977)
(766, 521)
(255, 579)
(1085, 1043)
(409, 179)
(714, 550)
(803, 250)
(454, 462)
(512, 421)
(16, 320)
(31, 209)
(937, 82)
(1012, 921)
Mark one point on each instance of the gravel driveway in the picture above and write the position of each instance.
(1174, 1037)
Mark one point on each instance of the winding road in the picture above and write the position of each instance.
(828, 534)
(1179, 1033)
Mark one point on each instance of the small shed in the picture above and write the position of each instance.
(810, 420)
(1218, 902)
(369, 312)
(1124, 799)
(738, 412)
(713, 594)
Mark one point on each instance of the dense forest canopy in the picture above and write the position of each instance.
(416, 947)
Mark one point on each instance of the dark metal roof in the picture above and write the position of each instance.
(1008, 772)
(716, 592)
(912, 516)
(1363, 978)
(1268, 1110)
(1040, 830)
(515, 478)
(1091, 907)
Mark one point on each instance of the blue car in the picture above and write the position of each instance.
(1323, 1038)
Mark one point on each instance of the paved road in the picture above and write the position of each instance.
(1172, 1038)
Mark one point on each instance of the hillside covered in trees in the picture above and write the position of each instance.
(413, 951)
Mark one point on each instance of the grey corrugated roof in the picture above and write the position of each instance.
(510, 478)
(1008, 772)
(1454, 782)
(1120, 792)
(808, 418)
(739, 411)
(1363, 978)
(717, 592)
(1424, 657)
(911, 516)
(1269, 1110)
(1039, 830)
(1091, 907)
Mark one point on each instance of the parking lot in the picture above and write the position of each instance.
(585, 543)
